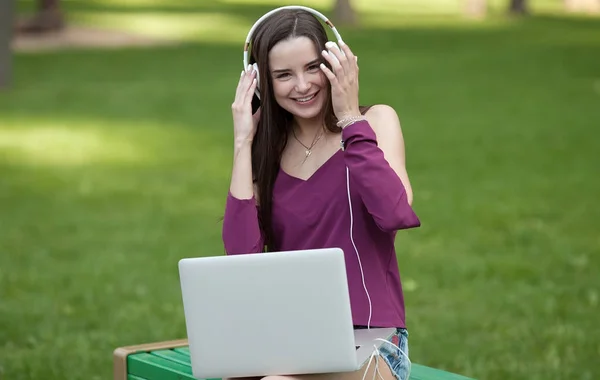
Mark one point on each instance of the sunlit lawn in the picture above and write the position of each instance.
(115, 164)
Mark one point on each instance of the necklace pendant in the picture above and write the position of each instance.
(308, 153)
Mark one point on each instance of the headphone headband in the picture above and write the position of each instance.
(310, 10)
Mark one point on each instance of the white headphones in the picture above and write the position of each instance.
(260, 20)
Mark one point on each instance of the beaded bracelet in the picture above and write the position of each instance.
(350, 120)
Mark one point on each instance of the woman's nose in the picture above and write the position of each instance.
(302, 85)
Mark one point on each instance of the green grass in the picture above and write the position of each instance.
(115, 164)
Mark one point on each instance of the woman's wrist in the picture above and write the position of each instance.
(350, 119)
(242, 142)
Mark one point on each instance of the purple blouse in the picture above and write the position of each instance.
(315, 213)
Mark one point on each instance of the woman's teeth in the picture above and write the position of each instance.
(303, 100)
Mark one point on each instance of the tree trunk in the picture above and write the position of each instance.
(7, 9)
(344, 13)
(476, 8)
(49, 18)
(518, 7)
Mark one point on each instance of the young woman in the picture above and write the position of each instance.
(313, 169)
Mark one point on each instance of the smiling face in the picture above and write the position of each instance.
(299, 85)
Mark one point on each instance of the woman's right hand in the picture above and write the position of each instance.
(244, 122)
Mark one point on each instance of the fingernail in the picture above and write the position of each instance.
(242, 74)
(325, 52)
(249, 67)
(329, 44)
(340, 42)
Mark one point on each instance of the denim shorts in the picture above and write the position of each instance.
(398, 361)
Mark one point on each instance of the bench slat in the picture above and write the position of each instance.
(183, 350)
(174, 356)
(152, 367)
(421, 372)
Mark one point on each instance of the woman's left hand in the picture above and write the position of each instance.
(343, 79)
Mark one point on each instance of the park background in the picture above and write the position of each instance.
(116, 150)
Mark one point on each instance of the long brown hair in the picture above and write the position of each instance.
(275, 122)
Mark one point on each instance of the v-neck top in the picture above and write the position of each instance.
(315, 213)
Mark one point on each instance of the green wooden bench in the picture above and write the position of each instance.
(170, 360)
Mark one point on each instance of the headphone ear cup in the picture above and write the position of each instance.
(332, 45)
(255, 68)
(257, 90)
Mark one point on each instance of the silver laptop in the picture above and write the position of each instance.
(276, 313)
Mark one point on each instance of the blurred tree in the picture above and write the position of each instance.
(48, 18)
(6, 30)
(344, 13)
(476, 8)
(588, 6)
(518, 7)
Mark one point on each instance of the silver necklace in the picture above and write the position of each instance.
(308, 150)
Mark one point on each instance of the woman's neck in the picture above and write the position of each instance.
(307, 127)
